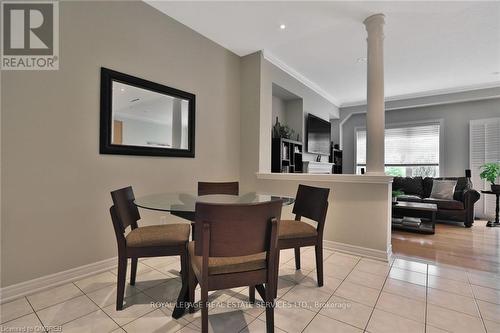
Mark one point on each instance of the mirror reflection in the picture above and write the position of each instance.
(147, 118)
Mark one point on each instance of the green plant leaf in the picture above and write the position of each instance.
(490, 171)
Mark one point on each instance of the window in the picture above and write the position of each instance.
(409, 150)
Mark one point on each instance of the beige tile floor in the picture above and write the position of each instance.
(360, 295)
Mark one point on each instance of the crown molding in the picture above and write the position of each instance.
(435, 92)
(429, 93)
(299, 77)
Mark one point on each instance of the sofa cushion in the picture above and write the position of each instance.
(397, 183)
(409, 185)
(409, 198)
(445, 204)
(459, 189)
(443, 189)
(427, 184)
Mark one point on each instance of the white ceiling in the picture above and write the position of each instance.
(430, 47)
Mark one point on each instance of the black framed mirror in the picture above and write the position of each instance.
(140, 117)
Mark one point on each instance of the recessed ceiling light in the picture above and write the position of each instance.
(282, 27)
(362, 59)
(122, 89)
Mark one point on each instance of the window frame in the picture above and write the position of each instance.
(414, 123)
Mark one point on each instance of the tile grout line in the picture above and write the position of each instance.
(155, 268)
(15, 318)
(169, 275)
(69, 321)
(476, 303)
(426, 299)
(426, 296)
(296, 284)
(482, 300)
(380, 293)
(48, 306)
(101, 309)
(122, 326)
(68, 299)
(58, 303)
(83, 293)
(317, 313)
(154, 309)
(254, 320)
(36, 314)
(458, 311)
(438, 289)
(257, 317)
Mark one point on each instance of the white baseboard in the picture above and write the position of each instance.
(53, 280)
(359, 250)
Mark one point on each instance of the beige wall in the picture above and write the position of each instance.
(55, 185)
(365, 231)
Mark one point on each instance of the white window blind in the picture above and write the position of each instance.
(484, 140)
(408, 146)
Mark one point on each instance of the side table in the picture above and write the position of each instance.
(495, 223)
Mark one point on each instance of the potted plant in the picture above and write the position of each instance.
(490, 172)
(284, 131)
(395, 195)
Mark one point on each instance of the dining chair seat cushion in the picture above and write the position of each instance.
(159, 235)
(226, 265)
(296, 229)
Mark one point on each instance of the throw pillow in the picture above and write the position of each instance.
(443, 189)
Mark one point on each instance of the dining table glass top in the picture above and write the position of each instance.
(184, 202)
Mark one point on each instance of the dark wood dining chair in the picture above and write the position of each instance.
(229, 188)
(206, 188)
(140, 242)
(312, 203)
(235, 245)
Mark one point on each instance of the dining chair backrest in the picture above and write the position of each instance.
(235, 229)
(206, 188)
(311, 202)
(125, 209)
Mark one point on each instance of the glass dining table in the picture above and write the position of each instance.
(184, 205)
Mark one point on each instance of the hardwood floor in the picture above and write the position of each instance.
(473, 248)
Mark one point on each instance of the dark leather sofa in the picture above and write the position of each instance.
(460, 209)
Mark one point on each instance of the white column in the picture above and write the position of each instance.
(375, 117)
